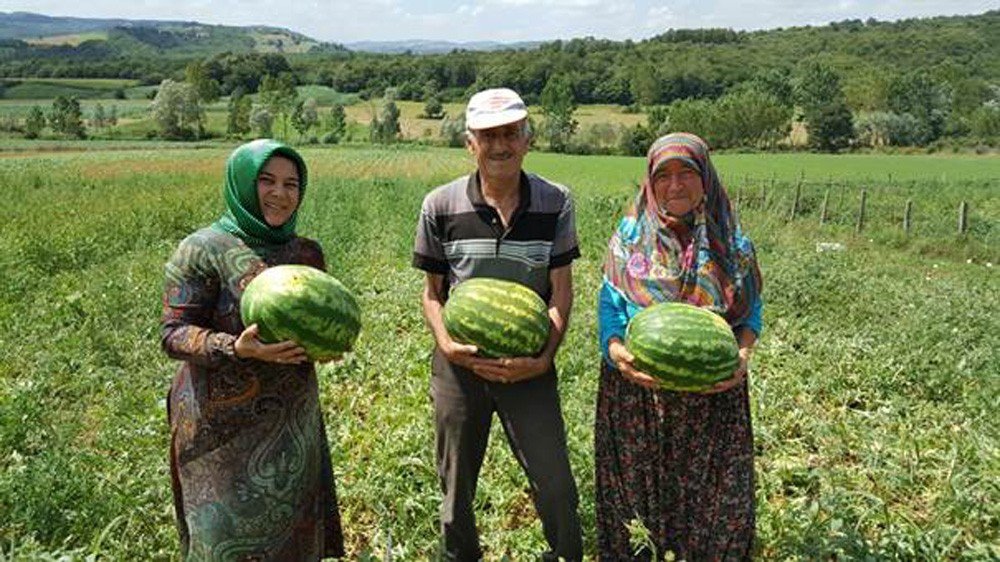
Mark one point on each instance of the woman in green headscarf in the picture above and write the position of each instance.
(249, 459)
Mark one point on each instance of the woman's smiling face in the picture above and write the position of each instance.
(677, 187)
(278, 190)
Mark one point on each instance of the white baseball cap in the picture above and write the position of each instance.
(493, 108)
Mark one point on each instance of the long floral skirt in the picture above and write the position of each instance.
(674, 473)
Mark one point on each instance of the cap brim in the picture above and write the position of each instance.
(490, 120)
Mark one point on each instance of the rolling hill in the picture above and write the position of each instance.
(37, 34)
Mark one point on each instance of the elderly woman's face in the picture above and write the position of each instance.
(677, 188)
(278, 190)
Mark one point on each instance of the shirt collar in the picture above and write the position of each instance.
(475, 193)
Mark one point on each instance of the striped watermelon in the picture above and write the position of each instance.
(303, 304)
(685, 347)
(501, 318)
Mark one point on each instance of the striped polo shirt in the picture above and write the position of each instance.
(461, 236)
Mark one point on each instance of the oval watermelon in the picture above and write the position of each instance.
(685, 347)
(303, 304)
(501, 318)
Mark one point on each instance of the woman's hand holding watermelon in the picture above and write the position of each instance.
(739, 375)
(623, 361)
(249, 346)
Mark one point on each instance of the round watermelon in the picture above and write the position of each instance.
(303, 304)
(685, 347)
(501, 318)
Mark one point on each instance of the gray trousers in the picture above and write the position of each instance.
(532, 420)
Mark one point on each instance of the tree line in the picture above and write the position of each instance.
(852, 83)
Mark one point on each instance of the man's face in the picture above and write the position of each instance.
(499, 151)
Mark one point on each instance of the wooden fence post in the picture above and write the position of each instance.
(963, 218)
(840, 200)
(861, 211)
(908, 217)
(822, 209)
(798, 194)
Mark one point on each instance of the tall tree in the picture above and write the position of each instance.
(385, 126)
(34, 123)
(917, 94)
(644, 84)
(433, 109)
(238, 114)
(558, 106)
(66, 117)
(177, 111)
(261, 121)
(98, 118)
(279, 95)
(336, 124)
(824, 107)
(305, 117)
(197, 74)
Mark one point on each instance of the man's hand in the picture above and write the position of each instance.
(460, 354)
(623, 362)
(249, 346)
(512, 369)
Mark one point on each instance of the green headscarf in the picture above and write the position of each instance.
(243, 217)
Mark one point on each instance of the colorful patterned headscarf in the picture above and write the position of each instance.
(243, 217)
(656, 258)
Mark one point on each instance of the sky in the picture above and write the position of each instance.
(345, 21)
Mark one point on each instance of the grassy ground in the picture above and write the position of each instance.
(72, 39)
(49, 88)
(874, 389)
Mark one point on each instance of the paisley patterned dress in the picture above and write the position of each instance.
(249, 458)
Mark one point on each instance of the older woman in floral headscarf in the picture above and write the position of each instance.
(679, 463)
(249, 459)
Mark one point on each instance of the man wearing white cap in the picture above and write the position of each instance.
(504, 223)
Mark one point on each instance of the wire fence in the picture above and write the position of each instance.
(967, 209)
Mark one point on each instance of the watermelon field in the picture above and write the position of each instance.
(875, 388)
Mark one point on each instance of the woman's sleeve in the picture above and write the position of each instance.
(753, 284)
(311, 254)
(189, 296)
(612, 317)
(755, 320)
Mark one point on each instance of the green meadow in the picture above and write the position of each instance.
(874, 388)
(48, 88)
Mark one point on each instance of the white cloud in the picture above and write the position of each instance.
(549, 3)
(659, 18)
(467, 10)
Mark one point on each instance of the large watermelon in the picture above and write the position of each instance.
(501, 318)
(685, 347)
(303, 304)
